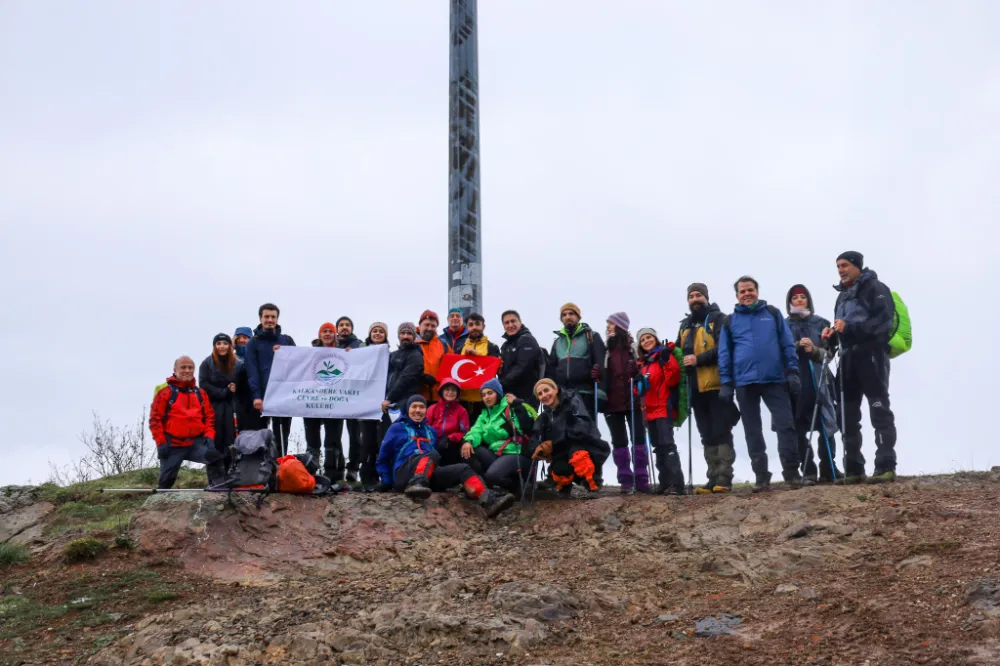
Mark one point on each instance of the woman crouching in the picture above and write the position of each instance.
(566, 435)
(409, 461)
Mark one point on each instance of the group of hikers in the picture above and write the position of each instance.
(542, 406)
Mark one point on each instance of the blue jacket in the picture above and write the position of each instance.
(260, 355)
(402, 440)
(756, 347)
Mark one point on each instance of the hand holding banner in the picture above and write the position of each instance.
(469, 372)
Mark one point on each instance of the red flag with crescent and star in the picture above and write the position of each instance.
(469, 372)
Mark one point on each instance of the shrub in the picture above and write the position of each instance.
(12, 553)
(83, 550)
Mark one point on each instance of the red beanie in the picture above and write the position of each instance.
(800, 291)
(428, 314)
(326, 325)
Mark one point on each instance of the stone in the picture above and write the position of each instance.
(547, 603)
(785, 589)
(918, 561)
(796, 531)
(720, 625)
(666, 617)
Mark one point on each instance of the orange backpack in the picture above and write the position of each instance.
(293, 477)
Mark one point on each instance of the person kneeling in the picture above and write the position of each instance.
(498, 438)
(566, 435)
(409, 462)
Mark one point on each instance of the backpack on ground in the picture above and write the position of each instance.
(254, 464)
(901, 339)
(293, 477)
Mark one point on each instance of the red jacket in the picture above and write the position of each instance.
(188, 418)
(448, 418)
(662, 380)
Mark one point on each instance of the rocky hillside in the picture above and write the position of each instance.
(865, 575)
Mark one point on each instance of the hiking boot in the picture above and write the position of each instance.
(494, 502)
(704, 490)
(566, 491)
(352, 476)
(720, 488)
(417, 489)
(854, 479)
(676, 490)
(825, 478)
(763, 484)
(883, 476)
(626, 490)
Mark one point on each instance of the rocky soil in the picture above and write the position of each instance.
(907, 573)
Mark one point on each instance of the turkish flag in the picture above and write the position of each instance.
(469, 372)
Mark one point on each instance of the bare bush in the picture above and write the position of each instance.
(111, 450)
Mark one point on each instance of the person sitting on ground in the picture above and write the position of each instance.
(565, 434)
(183, 426)
(218, 375)
(450, 421)
(499, 436)
(409, 461)
(658, 377)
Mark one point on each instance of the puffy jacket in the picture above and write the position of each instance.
(617, 387)
(480, 347)
(448, 418)
(660, 398)
(570, 428)
(191, 416)
(704, 345)
(406, 372)
(260, 356)
(572, 357)
(453, 343)
(496, 426)
(433, 351)
(756, 347)
(403, 439)
(868, 311)
(523, 364)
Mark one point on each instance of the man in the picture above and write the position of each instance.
(406, 368)
(183, 426)
(247, 418)
(433, 349)
(699, 339)
(267, 339)
(476, 344)
(347, 340)
(577, 357)
(757, 359)
(240, 339)
(455, 335)
(333, 456)
(522, 360)
(865, 318)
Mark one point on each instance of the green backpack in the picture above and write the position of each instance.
(682, 390)
(902, 336)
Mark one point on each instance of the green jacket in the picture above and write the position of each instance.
(493, 427)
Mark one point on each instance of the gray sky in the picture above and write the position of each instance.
(167, 167)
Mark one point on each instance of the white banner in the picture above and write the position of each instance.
(327, 383)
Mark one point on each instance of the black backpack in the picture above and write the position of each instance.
(257, 469)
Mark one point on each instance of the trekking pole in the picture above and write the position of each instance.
(841, 373)
(631, 401)
(690, 468)
(812, 423)
(824, 374)
(595, 403)
(524, 487)
(154, 491)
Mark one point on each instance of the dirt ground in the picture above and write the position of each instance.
(905, 573)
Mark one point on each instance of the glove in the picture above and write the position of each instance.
(794, 384)
(430, 380)
(633, 369)
(383, 488)
(162, 450)
(543, 452)
(726, 393)
(595, 373)
(456, 437)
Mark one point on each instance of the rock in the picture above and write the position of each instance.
(918, 561)
(785, 589)
(667, 617)
(809, 594)
(20, 523)
(547, 603)
(721, 625)
(984, 594)
(796, 531)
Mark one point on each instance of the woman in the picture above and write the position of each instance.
(659, 375)
(499, 437)
(450, 421)
(325, 431)
(807, 329)
(408, 461)
(566, 435)
(621, 364)
(373, 431)
(218, 375)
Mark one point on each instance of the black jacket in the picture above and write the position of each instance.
(523, 364)
(570, 428)
(352, 342)
(869, 312)
(215, 383)
(406, 373)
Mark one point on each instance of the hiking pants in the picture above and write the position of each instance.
(439, 477)
(617, 424)
(372, 434)
(866, 373)
(281, 426)
(202, 450)
(225, 428)
(714, 418)
(353, 461)
(668, 462)
(501, 471)
(576, 463)
(779, 403)
(331, 445)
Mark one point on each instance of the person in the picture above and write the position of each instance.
(757, 361)
(408, 461)
(620, 361)
(324, 431)
(476, 344)
(522, 361)
(499, 436)
(577, 357)
(182, 422)
(267, 339)
(455, 335)
(406, 368)
(807, 331)
(373, 430)
(240, 339)
(450, 421)
(565, 434)
(433, 349)
(658, 376)
(347, 340)
(864, 322)
(218, 375)
(698, 339)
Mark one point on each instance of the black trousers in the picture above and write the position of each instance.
(779, 403)
(866, 375)
(322, 431)
(668, 462)
(502, 471)
(617, 425)
(439, 477)
(372, 434)
(202, 450)
(281, 426)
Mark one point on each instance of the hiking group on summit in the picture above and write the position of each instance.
(542, 406)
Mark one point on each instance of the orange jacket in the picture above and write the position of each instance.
(187, 419)
(433, 351)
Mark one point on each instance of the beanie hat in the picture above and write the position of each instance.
(494, 385)
(571, 307)
(620, 319)
(222, 337)
(855, 258)
(348, 320)
(650, 331)
(545, 382)
(415, 398)
(407, 327)
(378, 324)
(326, 324)
(428, 314)
(798, 291)
(700, 287)
(455, 310)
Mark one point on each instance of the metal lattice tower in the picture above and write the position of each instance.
(464, 244)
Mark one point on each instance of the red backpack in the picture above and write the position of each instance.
(293, 477)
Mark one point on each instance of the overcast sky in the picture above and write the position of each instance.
(165, 168)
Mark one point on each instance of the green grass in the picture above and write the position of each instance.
(89, 491)
(934, 547)
(160, 595)
(84, 550)
(13, 553)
